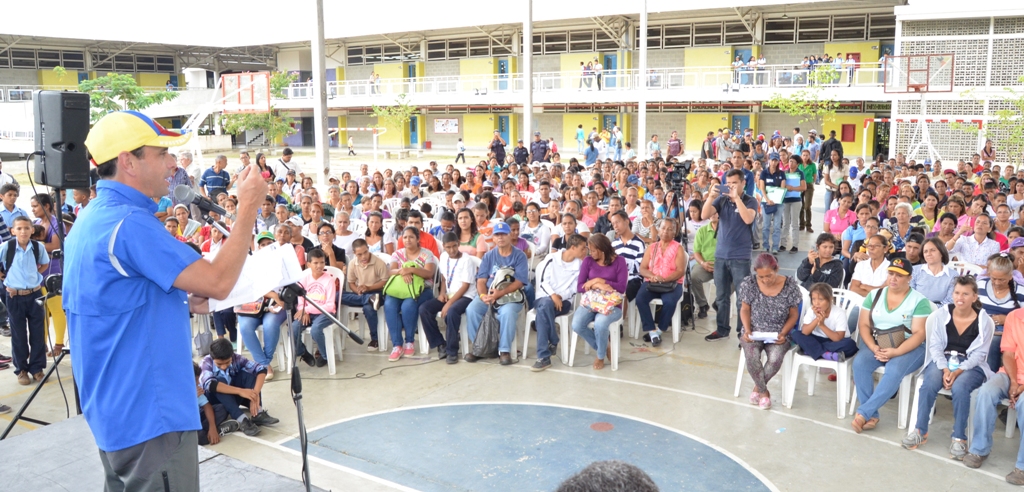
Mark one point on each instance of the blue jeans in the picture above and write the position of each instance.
(965, 383)
(225, 322)
(669, 303)
(428, 316)
(530, 293)
(815, 346)
(986, 414)
(871, 397)
(829, 193)
(317, 324)
(508, 316)
(262, 353)
(232, 403)
(403, 314)
(598, 337)
(363, 301)
(547, 331)
(771, 233)
(728, 276)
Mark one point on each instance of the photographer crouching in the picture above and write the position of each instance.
(126, 296)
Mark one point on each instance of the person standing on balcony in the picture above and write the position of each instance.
(737, 67)
(762, 62)
(584, 76)
(850, 65)
(539, 150)
(598, 70)
(675, 146)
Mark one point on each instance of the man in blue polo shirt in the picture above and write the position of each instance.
(128, 314)
(735, 242)
(215, 180)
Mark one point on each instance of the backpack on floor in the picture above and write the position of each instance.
(685, 310)
(486, 343)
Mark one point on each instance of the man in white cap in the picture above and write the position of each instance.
(128, 316)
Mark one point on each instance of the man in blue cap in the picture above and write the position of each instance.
(505, 255)
(128, 315)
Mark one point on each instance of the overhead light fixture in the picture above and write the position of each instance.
(785, 15)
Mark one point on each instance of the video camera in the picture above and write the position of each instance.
(676, 176)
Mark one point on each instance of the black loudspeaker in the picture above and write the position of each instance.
(62, 123)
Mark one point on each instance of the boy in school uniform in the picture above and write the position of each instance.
(210, 413)
(232, 381)
(24, 261)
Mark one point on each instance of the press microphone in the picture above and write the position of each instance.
(185, 194)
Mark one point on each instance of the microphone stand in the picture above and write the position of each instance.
(213, 223)
(290, 294)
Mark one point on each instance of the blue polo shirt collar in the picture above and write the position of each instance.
(122, 193)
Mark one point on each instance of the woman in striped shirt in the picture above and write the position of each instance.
(999, 294)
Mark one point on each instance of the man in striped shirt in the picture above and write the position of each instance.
(630, 247)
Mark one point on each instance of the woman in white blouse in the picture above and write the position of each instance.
(871, 274)
(974, 247)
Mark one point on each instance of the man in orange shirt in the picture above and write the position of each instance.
(1008, 383)
(426, 240)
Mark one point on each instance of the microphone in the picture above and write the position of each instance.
(184, 194)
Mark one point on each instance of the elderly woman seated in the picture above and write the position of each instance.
(769, 311)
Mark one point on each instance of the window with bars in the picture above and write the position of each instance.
(780, 31)
(737, 33)
(604, 42)
(372, 54)
(74, 60)
(437, 50)
(354, 55)
(707, 34)
(5, 59)
(480, 47)
(23, 58)
(556, 42)
(849, 27)
(678, 36)
(881, 26)
(810, 29)
(581, 41)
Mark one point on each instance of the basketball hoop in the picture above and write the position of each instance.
(919, 73)
(245, 92)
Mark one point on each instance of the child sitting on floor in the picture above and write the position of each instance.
(208, 412)
(232, 380)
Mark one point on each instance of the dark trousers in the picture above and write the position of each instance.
(4, 298)
(460, 156)
(815, 346)
(547, 330)
(805, 211)
(669, 304)
(995, 354)
(226, 322)
(729, 274)
(428, 316)
(632, 287)
(166, 462)
(232, 403)
(219, 414)
(28, 333)
(369, 314)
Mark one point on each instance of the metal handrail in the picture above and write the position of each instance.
(867, 74)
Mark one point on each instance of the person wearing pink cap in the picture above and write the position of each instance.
(128, 316)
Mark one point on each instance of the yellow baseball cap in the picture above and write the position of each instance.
(126, 131)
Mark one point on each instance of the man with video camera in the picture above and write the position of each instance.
(125, 293)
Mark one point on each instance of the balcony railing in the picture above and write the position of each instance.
(771, 76)
(22, 93)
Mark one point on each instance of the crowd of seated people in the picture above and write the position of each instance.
(934, 253)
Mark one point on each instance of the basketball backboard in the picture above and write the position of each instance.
(919, 73)
(245, 92)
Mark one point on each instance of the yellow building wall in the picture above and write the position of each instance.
(151, 79)
(394, 137)
(699, 124)
(421, 129)
(855, 148)
(342, 123)
(477, 131)
(869, 50)
(390, 70)
(570, 65)
(339, 73)
(515, 120)
(470, 70)
(713, 56)
(571, 121)
(49, 80)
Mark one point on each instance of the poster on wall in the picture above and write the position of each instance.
(446, 125)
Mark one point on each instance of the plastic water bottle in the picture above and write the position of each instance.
(954, 361)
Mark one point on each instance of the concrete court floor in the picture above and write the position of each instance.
(687, 387)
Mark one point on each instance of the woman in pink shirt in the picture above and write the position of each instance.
(591, 212)
(836, 221)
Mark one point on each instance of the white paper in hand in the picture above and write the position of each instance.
(764, 336)
(265, 270)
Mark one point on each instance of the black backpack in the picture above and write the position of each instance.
(12, 245)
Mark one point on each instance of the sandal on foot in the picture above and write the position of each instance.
(870, 424)
(858, 423)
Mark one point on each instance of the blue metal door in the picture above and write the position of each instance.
(174, 79)
(740, 123)
(85, 76)
(503, 74)
(744, 55)
(412, 71)
(503, 128)
(414, 137)
(608, 121)
(610, 66)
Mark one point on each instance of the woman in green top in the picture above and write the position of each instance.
(810, 171)
(893, 305)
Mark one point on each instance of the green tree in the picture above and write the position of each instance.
(810, 103)
(271, 123)
(1007, 129)
(116, 92)
(396, 116)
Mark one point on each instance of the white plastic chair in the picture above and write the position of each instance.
(349, 312)
(677, 318)
(614, 345)
(787, 359)
(391, 205)
(850, 302)
(357, 227)
(963, 268)
(332, 334)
